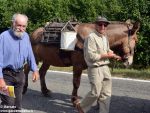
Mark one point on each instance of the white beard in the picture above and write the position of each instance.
(18, 33)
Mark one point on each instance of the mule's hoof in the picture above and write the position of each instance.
(77, 101)
(47, 93)
(74, 99)
(78, 107)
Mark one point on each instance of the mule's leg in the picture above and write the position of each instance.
(77, 71)
(26, 72)
(42, 73)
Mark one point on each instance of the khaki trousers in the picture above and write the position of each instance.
(101, 85)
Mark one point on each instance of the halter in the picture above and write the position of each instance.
(128, 46)
(129, 38)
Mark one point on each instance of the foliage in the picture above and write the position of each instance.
(42, 11)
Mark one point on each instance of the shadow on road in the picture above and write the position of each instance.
(57, 103)
(61, 103)
(123, 104)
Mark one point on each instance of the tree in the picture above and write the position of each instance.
(42, 11)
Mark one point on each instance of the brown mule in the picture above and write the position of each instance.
(122, 40)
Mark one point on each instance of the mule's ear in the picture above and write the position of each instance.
(128, 22)
(136, 27)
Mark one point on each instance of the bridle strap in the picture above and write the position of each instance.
(129, 38)
(80, 38)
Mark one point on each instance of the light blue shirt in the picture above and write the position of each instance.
(15, 52)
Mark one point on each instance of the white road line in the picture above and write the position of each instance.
(116, 78)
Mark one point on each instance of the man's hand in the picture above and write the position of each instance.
(117, 57)
(3, 86)
(35, 76)
(111, 54)
(2, 83)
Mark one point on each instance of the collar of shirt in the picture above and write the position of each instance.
(97, 33)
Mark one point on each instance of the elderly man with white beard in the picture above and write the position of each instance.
(15, 51)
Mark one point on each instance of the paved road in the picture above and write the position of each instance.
(128, 96)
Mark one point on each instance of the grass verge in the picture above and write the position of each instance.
(125, 73)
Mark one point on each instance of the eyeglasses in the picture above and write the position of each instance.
(102, 24)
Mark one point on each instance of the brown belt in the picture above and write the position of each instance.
(100, 65)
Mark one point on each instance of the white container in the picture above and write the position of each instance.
(68, 40)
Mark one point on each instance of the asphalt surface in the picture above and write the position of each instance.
(128, 96)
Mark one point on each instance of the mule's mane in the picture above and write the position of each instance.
(118, 22)
(112, 22)
(36, 35)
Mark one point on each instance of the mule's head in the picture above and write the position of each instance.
(130, 44)
(126, 45)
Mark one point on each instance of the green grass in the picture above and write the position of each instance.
(67, 69)
(125, 73)
(132, 73)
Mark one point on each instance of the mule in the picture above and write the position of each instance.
(122, 39)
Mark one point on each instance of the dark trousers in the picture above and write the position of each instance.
(17, 80)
